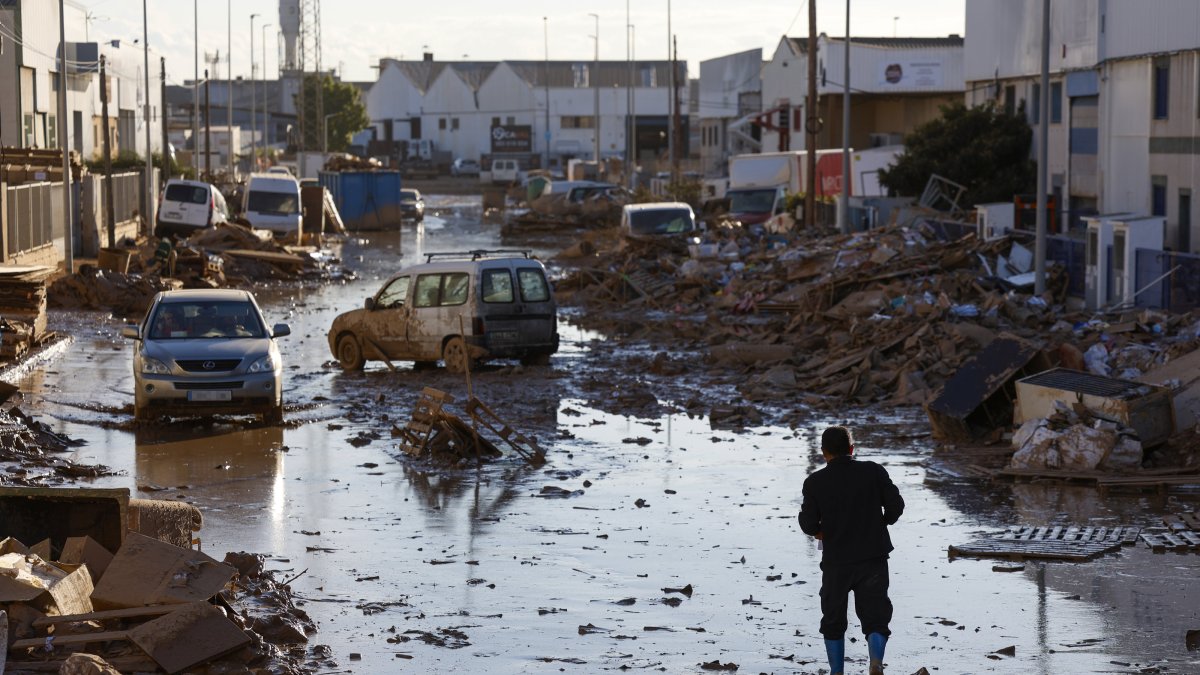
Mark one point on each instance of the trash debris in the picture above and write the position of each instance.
(444, 435)
(1145, 408)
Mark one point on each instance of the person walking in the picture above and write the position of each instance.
(848, 505)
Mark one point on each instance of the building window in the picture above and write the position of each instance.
(1010, 100)
(453, 124)
(577, 122)
(442, 123)
(51, 131)
(1035, 104)
(1158, 196)
(649, 76)
(495, 121)
(510, 120)
(1162, 88)
(1056, 102)
(581, 74)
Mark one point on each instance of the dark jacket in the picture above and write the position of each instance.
(851, 502)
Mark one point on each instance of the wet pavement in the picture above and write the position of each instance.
(419, 568)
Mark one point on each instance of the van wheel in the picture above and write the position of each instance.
(454, 355)
(542, 359)
(349, 353)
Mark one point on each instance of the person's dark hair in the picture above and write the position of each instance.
(836, 441)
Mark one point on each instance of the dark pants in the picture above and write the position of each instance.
(869, 581)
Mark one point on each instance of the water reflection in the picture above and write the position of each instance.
(224, 462)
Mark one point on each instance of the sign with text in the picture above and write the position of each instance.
(512, 138)
(911, 74)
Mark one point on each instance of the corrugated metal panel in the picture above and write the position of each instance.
(723, 79)
(1134, 28)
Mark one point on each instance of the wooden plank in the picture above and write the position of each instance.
(1055, 533)
(1174, 542)
(67, 640)
(127, 613)
(1192, 519)
(1191, 538)
(1154, 542)
(1175, 523)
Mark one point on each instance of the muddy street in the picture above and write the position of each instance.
(649, 540)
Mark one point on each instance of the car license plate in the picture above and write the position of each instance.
(210, 396)
(173, 214)
(505, 335)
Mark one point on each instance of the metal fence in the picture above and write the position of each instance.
(35, 216)
(127, 195)
(1069, 252)
(1167, 280)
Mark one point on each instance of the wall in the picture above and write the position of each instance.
(10, 126)
(393, 97)
(1125, 137)
(1005, 36)
(1174, 143)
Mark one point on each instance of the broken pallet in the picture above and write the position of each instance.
(414, 437)
(525, 447)
(1183, 521)
(1167, 541)
(1051, 542)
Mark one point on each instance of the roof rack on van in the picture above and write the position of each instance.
(478, 253)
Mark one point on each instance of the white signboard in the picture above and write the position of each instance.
(911, 74)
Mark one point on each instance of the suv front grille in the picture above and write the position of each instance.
(218, 365)
(185, 386)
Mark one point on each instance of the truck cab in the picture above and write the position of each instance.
(751, 206)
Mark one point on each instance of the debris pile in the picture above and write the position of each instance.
(435, 431)
(228, 255)
(29, 449)
(22, 310)
(882, 316)
(132, 603)
(345, 162)
(1074, 440)
(597, 209)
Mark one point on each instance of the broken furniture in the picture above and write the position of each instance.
(979, 396)
(1145, 408)
(434, 429)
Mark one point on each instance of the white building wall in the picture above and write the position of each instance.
(783, 77)
(393, 97)
(722, 80)
(1125, 137)
(1134, 28)
(1005, 36)
(451, 100)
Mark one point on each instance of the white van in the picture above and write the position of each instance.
(505, 171)
(187, 206)
(272, 202)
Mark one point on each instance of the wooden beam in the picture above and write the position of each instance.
(127, 613)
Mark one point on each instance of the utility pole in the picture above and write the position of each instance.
(148, 204)
(229, 85)
(628, 102)
(844, 207)
(1039, 249)
(207, 130)
(811, 120)
(166, 155)
(68, 215)
(546, 84)
(677, 122)
(109, 208)
(670, 94)
(264, 77)
(596, 95)
(195, 85)
(253, 101)
(633, 110)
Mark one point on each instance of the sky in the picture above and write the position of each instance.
(355, 34)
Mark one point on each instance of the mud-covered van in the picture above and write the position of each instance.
(460, 308)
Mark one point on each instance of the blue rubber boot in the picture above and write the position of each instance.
(836, 651)
(876, 642)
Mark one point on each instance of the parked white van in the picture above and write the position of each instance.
(187, 206)
(505, 171)
(272, 202)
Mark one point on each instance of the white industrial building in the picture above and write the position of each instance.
(1124, 91)
(730, 93)
(29, 69)
(474, 109)
(896, 84)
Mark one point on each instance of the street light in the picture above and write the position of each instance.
(253, 100)
(266, 133)
(325, 135)
(596, 90)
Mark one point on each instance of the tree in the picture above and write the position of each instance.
(342, 103)
(983, 148)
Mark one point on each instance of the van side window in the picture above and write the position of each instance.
(454, 289)
(533, 285)
(394, 294)
(497, 286)
(428, 286)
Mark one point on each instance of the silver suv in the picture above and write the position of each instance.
(206, 351)
(462, 308)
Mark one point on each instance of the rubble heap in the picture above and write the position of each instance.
(1073, 439)
(22, 309)
(885, 315)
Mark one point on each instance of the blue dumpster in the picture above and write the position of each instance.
(366, 200)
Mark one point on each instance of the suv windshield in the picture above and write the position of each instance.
(284, 203)
(188, 194)
(751, 201)
(660, 221)
(205, 320)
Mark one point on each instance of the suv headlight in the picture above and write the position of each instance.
(264, 365)
(154, 367)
